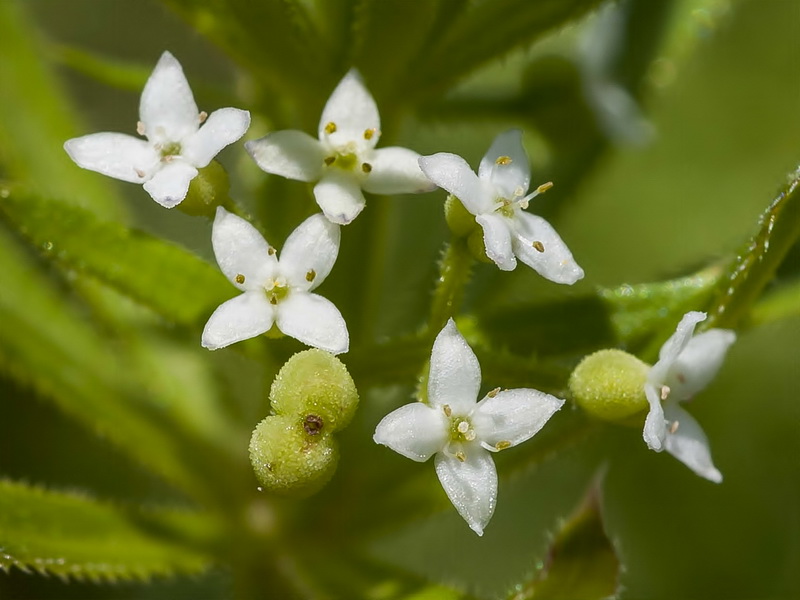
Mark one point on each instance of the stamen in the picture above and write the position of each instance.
(329, 160)
(447, 410)
(461, 456)
(239, 279)
(330, 127)
(139, 172)
(538, 245)
(665, 392)
(503, 161)
(140, 128)
(369, 133)
(311, 275)
(674, 427)
(202, 116)
(366, 167)
(463, 427)
(493, 393)
(544, 187)
(502, 445)
(470, 435)
(270, 250)
(273, 300)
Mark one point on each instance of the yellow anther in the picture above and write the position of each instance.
(665, 392)
(330, 127)
(239, 279)
(503, 161)
(273, 300)
(538, 245)
(470, 435)
(140, 129)
(366, 167)
(493, 393)
(270, 250)
(329, 160)
(369, 133)
(544, 187)
(311, 275)
(502, 445)
(674, 426)
(202, 116)
(461, 456)
(139, 172)
(463, 427)
(447, 410)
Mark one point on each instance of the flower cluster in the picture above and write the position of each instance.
(343, 162)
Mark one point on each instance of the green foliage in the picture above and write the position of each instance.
(73, 536)
(176, 284)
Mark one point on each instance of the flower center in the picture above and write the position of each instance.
(518, 201)
(346, 156)
(276, 290)
(169, 149)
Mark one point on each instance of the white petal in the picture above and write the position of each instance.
(167, 107)
(471, 485)
(455, 375)
(241, 250)
(513, 416)
(310, 252)
(222, 127)
(674, 346)
(655, 427)
(291, 154)
(497, 239)
(353, 111)
(556, 262)
(114, 154)
(689, 443)
(415, 430)
(510, 179)
(699, 362)
(452, 173)
(313, 320)
(396, 170)
(246, 316)
(339, 196)
(169, 185)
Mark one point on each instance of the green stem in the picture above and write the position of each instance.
(378, 242)
(454, 272)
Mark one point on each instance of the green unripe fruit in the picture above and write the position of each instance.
(206, 191)
(460, 221)
(290, 457)
(609, 385)
(314, 382)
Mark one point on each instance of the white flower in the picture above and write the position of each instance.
(462, 432)
(176, 144)
(497, 197)
(276, 292)
(343, 161)
(685, 366)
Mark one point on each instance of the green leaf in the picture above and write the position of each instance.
(581, 564)
(176, 284)
(755, 265)
(37, 120)
(782, 303)
(73, 536)
(46, 345)
(488, 31)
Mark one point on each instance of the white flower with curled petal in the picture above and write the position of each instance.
(176, 146)
(462, 432)
(276, 292)
(498, 197)
(343, 161)
(686, 364)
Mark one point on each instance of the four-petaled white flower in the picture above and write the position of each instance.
(497, 197)
(462, 432)
(276, 292)
(176, 143)
(343, 161)
(685, 366)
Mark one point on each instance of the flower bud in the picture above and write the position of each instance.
(290, 457)
(314, 382)
(460, 221)
(609, 385)
(206, 191)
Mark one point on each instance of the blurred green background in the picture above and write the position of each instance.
(723, 97)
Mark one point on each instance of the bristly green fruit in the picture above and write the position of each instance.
(206, 191)
(291, 456)
(460, 221)
(315, 383)
(609, 385)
